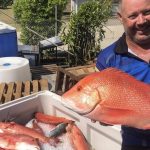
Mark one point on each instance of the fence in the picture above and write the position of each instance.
(113, 28)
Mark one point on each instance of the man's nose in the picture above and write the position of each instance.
(141, 19)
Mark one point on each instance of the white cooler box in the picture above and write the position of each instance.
(22, 110)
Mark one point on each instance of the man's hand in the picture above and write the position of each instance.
(101, 123)
(105, 124)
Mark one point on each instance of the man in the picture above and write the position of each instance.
(131, 53)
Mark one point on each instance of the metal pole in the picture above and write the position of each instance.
(56, 20)
(56, 27)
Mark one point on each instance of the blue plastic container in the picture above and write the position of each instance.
(8, 41)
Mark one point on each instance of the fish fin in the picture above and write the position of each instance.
(117, 72)
(120, 73)
(111, 116)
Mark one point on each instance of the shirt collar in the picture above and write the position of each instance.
(121, 45)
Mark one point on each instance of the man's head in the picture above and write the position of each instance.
(135, 17)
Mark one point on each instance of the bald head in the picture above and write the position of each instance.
(126, 3)
(135, 17)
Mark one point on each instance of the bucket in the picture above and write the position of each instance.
(14, 69)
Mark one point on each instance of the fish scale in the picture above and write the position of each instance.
(111, 96)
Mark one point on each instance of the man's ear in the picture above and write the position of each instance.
(119, 16)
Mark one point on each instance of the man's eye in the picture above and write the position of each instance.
(132, 17)
(147, 12)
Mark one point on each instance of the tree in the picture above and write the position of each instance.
(83, 26)
(38, 15)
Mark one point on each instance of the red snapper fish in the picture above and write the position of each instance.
(113, 97)
(44, 132)
(17, 142)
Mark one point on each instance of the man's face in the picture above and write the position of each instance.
(135, 16)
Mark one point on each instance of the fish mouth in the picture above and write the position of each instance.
(70, 105)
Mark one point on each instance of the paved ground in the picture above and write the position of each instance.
(51, 81)
(113, 32)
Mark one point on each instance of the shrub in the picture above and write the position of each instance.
(38, 15)
(83, 26)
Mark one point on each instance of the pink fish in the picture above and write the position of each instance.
(14, 128)
(51, 119)
(18, 142)
(51, 133)
(111, 96)
(70, 136)
(76, 137)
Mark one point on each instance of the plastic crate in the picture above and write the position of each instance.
(22, 110)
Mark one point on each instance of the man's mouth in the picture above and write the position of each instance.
(143, 31)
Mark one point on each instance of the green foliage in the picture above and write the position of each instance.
(83, 26)
(38, 15)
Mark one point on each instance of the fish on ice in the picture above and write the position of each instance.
(44, 132)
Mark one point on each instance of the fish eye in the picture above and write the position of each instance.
(79, 88)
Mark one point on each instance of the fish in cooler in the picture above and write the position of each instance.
(111, 96)
(18, 142)
(44, 132)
